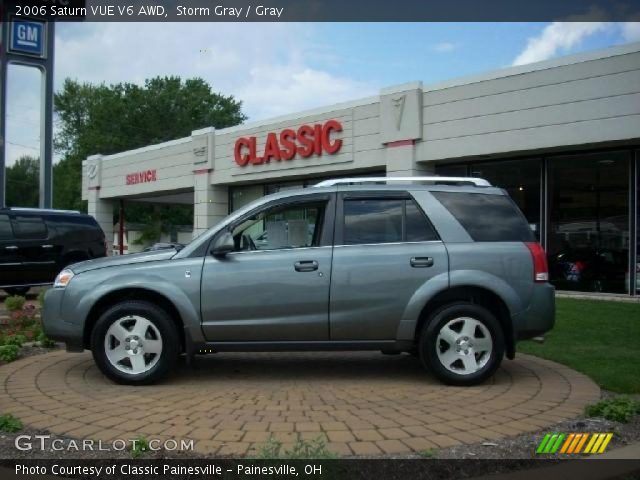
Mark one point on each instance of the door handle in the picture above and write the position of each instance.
(421, 262)
(306, 266)
(11, 247)
(47, 246)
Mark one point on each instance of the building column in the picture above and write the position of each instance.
(400, 128)
(211, 203)
(102, 211)
(98, 208)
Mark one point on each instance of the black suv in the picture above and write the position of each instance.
(35, 244)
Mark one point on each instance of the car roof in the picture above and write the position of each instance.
(393, 187)
(40, 211)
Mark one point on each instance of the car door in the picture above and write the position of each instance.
(10, 261)
(36, 251)
(385, 250)
(275, 285)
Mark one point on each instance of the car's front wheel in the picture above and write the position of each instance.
(462, 344)
(135, 343)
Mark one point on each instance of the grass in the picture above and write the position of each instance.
(140, 447)
(600, 339)
(618, 409)
(9, 423)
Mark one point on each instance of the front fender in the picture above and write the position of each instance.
(169, 281)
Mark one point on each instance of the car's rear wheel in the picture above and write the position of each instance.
(135, 343)
(22, 291)
(462, 344)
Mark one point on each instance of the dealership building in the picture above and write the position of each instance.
(561, 136)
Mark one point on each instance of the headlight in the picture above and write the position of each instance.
(63, 278)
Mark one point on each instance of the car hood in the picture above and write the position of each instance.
(122, 260)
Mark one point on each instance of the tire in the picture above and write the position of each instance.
(22, 291)
(462, 344)
(122, 340)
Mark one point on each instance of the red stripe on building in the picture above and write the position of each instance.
(401, 143)
(202, 171)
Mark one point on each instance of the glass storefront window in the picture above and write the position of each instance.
(588, 230)
(452, 170)
(241, 196)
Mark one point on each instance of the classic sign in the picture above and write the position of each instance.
(307, 141)
(141, 177)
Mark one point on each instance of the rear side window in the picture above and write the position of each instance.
(29, 228)
(487, 218)
(6, 233)
(385, 221)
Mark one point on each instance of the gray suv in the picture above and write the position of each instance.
(444, 268)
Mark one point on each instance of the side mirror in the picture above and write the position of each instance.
(224, 244)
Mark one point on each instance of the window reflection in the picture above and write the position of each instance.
(588, 244)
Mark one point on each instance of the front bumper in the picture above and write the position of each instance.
(55, 327)
(540, 316)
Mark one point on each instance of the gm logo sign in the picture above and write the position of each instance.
(27, 37)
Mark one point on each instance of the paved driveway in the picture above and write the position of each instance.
(361, 403)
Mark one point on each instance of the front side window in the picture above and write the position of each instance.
(284, 226)
(385, 221)
(6, 233)
(30, 228)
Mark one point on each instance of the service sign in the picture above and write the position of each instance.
(144, 176)
(305, 142)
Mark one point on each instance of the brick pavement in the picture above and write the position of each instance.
(361, 403)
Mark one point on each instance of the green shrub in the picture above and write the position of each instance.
(428, 453)
(8, 353)
(44, 341)
(140, 446)
(302, 449)
(617, 409)
(9, 423)
(17, 340)
(41, 298)
(14, 303)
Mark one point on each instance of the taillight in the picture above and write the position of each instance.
(540, 268)
(579, 266)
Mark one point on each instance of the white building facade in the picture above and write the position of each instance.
(562, 136)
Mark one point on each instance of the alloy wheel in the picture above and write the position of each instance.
(133, 344)
(464, 345)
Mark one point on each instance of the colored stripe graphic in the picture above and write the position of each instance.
(605, 442)
(582, 442)
(556, 445)
(573, 443)
(550, 443)
(567, 442)
(598, 442)
(592, 441)
(543, 443)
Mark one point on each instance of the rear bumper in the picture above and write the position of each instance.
(55, 327)
(540, 316)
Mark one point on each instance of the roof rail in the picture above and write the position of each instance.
(478, 182)
(44, 210)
